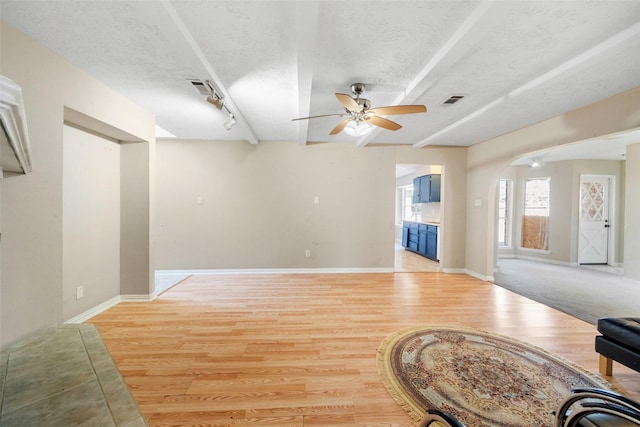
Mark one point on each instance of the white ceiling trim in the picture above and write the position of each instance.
(598, 49)
(195, 48)
(306, 29)
(420, 83)
(566, 66)
(607, 147)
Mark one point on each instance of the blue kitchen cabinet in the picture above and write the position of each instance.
(405, 234)
(426, 189)
(431, 249)
(421, 239)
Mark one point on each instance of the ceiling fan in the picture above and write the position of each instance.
(360, 115)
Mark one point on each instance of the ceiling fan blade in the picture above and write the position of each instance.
(315, 117)
(398, 109)
(340, 126)
(383, 123)
(349, 103)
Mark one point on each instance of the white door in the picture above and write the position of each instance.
(593, 241)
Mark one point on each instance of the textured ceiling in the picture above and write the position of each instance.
(516, 62)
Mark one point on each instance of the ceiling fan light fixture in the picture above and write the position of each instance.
(357, 128)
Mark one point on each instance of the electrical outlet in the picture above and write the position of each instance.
(79, 292)
(307, 253)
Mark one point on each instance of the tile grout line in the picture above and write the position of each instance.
(5, 370)
(84, 344)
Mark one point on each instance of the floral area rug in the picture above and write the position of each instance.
(483, 379)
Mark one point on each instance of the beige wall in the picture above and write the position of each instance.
(90, 220)
(565, 206)
(561, 213)
(487, 160)
(32, 289)
(136, 269)
(258, 206)
(632, 214)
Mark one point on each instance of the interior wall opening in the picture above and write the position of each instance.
(419, 202)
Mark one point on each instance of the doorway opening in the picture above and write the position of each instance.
(595, 237)
(409, 209)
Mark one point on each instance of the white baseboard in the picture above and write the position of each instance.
(171, 272)
(552, 261)
(478, 275)
(138, 298)
(274, 271)
(454, 270)
(546, 260)
(469, 272)
(83, 317)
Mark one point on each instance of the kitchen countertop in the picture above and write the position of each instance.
(424, 222)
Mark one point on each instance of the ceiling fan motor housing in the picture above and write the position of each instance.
(358, 89)
(364, 104)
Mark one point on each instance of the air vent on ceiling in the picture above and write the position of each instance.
(201, 86)
(453, 99)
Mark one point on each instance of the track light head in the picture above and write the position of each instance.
(230, 123)
(216, 101)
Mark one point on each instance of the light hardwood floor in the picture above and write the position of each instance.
(300, 349)
(409, 262)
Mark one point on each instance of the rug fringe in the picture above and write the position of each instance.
(383, 361)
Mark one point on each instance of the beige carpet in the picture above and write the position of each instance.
(584, 293)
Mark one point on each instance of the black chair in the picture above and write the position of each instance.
(590, 407)
(585, 407)
(620, 341)
(437, 418)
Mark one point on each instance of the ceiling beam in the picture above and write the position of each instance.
(306, 31)
(204, 62)
(591, 53)
(457, 45)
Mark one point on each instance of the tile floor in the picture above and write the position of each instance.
(64, 377)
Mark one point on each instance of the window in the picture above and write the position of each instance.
(407, 203)
(535, 221)
(504, 212)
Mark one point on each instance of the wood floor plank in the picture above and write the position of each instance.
(300, 349)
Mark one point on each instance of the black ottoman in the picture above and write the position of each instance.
(620, 341)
